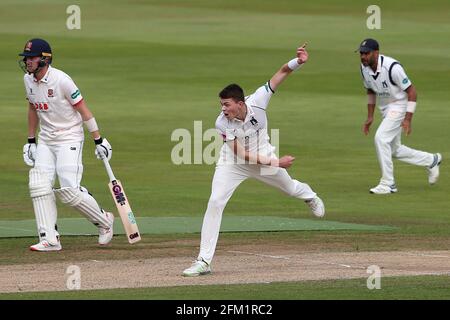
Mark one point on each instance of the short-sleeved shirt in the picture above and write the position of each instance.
(55, 97)
(389, 83)
(252, 132)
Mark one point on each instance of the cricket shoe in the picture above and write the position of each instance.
(44, 245)
(317, 207)
(198, 268)
(433, 170)
(384, 189)
(105, 234)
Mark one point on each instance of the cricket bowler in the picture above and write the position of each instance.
(247, 153)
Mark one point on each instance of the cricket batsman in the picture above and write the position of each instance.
(55, 104)
(247, 153)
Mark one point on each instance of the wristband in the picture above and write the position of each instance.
(91, 125)
(98, 141)
(411, 106)
(32, 140)
(294, 65)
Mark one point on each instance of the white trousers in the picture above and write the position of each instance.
(227, 178)
(63, 161)
(388, 145)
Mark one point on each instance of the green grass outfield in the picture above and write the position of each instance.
(392, 288)
(146, 68)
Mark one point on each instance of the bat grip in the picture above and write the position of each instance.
(108, 169)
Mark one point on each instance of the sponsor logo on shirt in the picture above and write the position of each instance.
(405, 81)
(41, 106)
(75, 94)
(385, 85)
(50, 93)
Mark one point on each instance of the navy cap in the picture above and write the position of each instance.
(36, 48)
(368, 45)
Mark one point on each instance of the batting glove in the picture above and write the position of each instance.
(102, 149)
(29, 152)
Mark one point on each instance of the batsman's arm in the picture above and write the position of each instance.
(88, 119)
(102, 146)
(33, 121)
(256, 158)
(288, 68)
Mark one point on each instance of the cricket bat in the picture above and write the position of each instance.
(123, 206)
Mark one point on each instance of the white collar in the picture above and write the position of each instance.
(45, 77)
(378, 67)
(250, 114)
(248, 117)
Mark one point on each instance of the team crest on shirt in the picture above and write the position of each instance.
(28, 46)
(50, 93)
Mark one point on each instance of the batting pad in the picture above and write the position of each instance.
(81, 200)
(44, 205)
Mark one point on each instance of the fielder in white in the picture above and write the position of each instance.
(384, 78)
(57, 106)
(247, 153)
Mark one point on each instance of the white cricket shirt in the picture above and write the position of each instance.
(389, 83)
(55, 97)
(252, 132)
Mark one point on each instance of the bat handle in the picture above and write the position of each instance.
(108, 169)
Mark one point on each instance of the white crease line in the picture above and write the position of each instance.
(425, 255)
(33, 231)
(421, 272)
(337, 264)
(416, 273)
(287, 258)
(261, 255)
(17, 229)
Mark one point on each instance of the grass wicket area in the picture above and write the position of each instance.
(147, 68)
